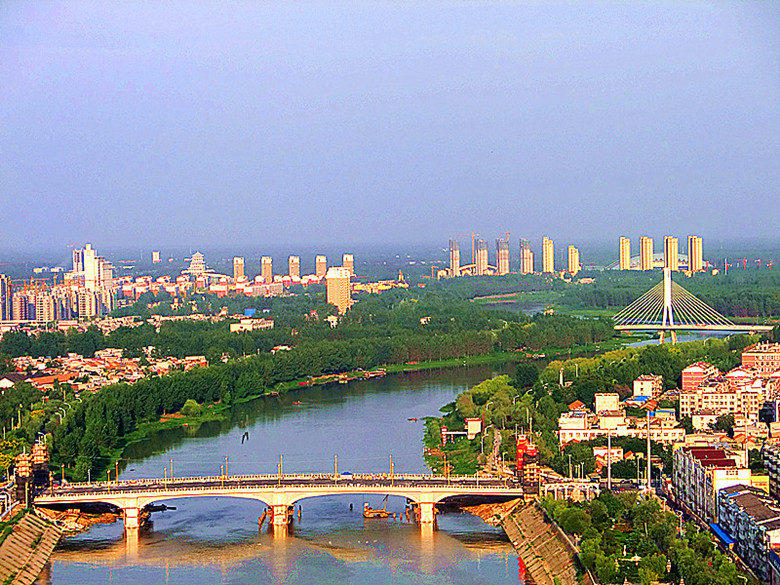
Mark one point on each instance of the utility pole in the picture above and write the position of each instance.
(648, 453)
(609, 461)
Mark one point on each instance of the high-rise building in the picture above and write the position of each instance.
(95, 271)
(695, 254)
(348, 262)
(645, 253)
(671, 253)
(480, 257)
(44, 308)
(294, 266)
(321, 266)
(266, 269)
(574, 260)
(502, 256)
(338, 288)
(238, 268)
(5, 298)
(454, 258)
(526, 258)
(625, 253)
(548, 255)
(155, 256)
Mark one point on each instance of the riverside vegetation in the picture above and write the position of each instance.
(394, 328)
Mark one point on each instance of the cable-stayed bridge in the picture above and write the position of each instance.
(668, 307)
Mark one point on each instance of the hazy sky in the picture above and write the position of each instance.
(235, 123)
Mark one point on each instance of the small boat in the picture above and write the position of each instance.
(297, 403)
(375, 512)
(410, 419)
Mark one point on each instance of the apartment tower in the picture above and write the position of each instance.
(625, 253)
(320, 266)
(548, 255)
(155, 256)
(526, 258)
(671, 253)
(695, 254)
(502, 256)
(294, 266)
(348, 262)
(480, 257)
(238, 268)
(266, 270)
(338, 288)
(645, 253)
(574, 260)
(454, 258)
(5, 298)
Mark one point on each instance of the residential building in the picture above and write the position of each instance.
(695, 254)
(671, 253)
(266, 269)
(251, 325)
(294, 267)
(752, 519)
(574, 260)
(717, 395)
(625, 253)
(320, 266)
(696, 373)
(238, 268)
(771, 455)
(480, 257)
(5, 298)
(548, 255)
(526, 258)
(156, 257)
(764, 357)
(649, 385)
(502, 256)
(338, 288)
(699, 473)
(454, 258)
(645, 253)
(348, 262)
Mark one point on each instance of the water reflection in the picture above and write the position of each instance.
(216, 540)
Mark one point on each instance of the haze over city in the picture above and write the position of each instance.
(205, 124)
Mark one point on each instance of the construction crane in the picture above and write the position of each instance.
(726, 265)
(770, 264)
(759, 262)
(744, 263)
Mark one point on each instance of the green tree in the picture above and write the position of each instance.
(190, 408)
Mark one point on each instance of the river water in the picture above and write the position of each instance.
(216, 540)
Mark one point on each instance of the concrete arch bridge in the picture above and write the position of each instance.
(278, 492)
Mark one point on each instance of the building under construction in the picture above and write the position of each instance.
(502, 256)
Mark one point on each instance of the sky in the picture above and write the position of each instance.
(237, 123)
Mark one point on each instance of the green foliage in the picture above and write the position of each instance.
(190, 408)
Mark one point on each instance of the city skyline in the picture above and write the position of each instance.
(573, 122)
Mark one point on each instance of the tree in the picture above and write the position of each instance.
(725, 423)
(574, 521)
(190, 408)
(526, 375)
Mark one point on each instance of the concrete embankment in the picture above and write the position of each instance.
(546, 552)
(25, 551)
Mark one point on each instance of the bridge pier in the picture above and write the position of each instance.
(131, 517)
(280, 515)
(427, 512)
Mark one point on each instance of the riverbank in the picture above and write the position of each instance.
(26, 548)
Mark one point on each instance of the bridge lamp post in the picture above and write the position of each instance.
(226, 466)
(89, 476)
(222, 474)
(171, 468)
(335, 468)
(63, 473)
(165, 477)
(116, 471)
(392, 478)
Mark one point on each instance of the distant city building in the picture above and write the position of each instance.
(294, 266)
(502, 256)
(645, 253)
(695, 254)
(238, 268)
(338, 288)
(197, 264)
(320, 266)
(266, 270)
(671, 253)
(93, 270)
(625, 253)
(156, 257)
(548, 255)
(5, 298)
(526, 258)
(574, 260)
(348, 262)
(454, 258)
(480, 257)
(764, 357)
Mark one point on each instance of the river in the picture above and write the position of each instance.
(216, 540)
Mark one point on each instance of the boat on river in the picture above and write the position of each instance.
(369, 512)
